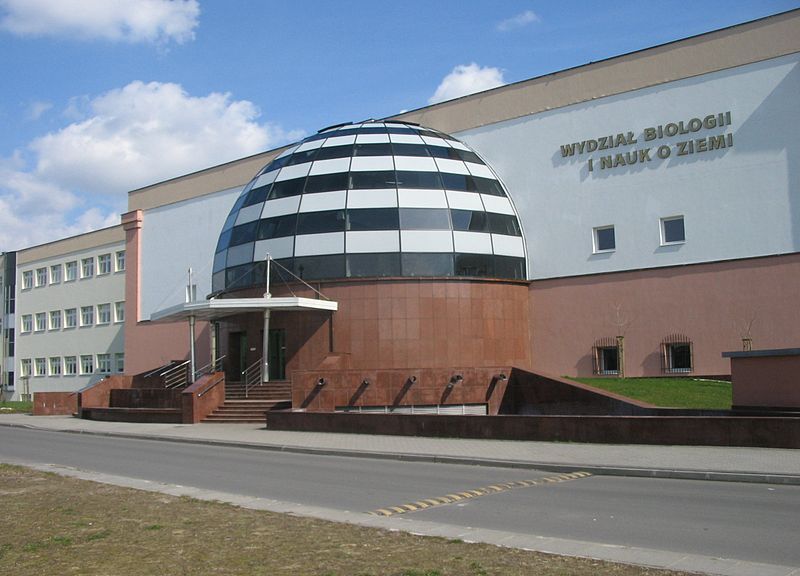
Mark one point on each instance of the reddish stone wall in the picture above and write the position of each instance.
(55, 403)
(203, 397)
(710, 303)
(99, 395)
(766, 381)
(395, 388)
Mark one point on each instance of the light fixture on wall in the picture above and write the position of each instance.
(455, 379)
(321, 382)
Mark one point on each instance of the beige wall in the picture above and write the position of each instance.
(710, 303)
(78, 243)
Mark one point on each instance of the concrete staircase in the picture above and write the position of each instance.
(238, 409)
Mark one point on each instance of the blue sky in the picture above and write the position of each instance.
(103, 96)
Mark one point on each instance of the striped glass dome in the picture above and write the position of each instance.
(377, 199)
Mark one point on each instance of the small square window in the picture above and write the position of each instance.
(672, 230)
(604, 240)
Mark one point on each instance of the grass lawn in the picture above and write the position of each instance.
(15, 407)
(57, 525)
(669, 392)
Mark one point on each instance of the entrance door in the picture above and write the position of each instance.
(237, 356)
(277, 354)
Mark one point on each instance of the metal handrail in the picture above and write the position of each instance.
(159, 369)
(212, 385)
(215, 366)
(176, 377)
(252, 376)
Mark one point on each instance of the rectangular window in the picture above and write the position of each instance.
(27, 279)
(119, 311)
(70, 318)
(104, 363)
(71, 271)
(104, 264)
(104, 313)
(87, 267)
(41, 321)
(55, 274)
(120, 260)
(41, 367)
(27, 323)
(55, 366)
(87, 364)
(119, 360)
(603, 239)
(70, 365)
(25, 367)
(678, 357)
(41, 277)
(55, 320)
(672, 230)
(87, 315)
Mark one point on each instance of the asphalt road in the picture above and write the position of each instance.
(750, 522)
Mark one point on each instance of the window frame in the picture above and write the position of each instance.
(26, 324)
(86, 364)
(87, 316)
(663, 230)
(596, 239)
(70, 366)
(104, 264)
(119, 311)
(41, 277)
(119, 261)
(56, 274)
(70, 314)
(71, 271)
(103, 314)
(87, 267)
(40, 322)
(27, 279)
(103, 363)
(55, 325)
(40, 366)
(55, 366)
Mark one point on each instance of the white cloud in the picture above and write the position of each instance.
(116, 20)
(518, 21)
(37, 109)
(130, 137)
(467, 79)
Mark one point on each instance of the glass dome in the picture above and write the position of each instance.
(377, 199)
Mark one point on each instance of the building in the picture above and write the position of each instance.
(8, 271)
(70, 312)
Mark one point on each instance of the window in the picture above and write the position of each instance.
(676, 353)
(27, 323)
(277, 227)
(87, 267)
(70, 365)
(104, 313)
(40, 367)
(104, 264)
(424, 219)
(55, 366)
(606, 356)
(120, 260)
(55, 274)
(87, 315)
(672, 230)
(55, 320)
(119, 360)
(87, 364)
(71, 271)
(320, 222)
(104, 363)
(119, 312)
(604, 240)
(27, 279)
(25, 367)
(70, 318)
(373, 219)
(41, 277)
(41, 321)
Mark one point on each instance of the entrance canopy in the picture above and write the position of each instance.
(220, 308)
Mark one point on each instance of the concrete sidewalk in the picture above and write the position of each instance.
(764, 465)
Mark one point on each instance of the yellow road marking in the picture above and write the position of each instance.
(468, 494)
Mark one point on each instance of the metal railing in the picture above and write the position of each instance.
(215, 366)
(177, 376)
(252, 376)
(211, 386)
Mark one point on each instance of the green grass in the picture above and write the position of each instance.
(15, 407)
(669, 392)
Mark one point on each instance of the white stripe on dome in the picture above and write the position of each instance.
(330, 166)
(372, 138)
(265, 179)
(362, 242)
(415, 163)
(242, 254)
(379, 198)
(406, 139)
(371, 163)
(310, 145)
(280, 206)
(451, 166)
(464, 200)
(248, 214)
(339, 140)
(508, 245)
(436, 141)
(319, 244)
(286, 152)
(480, 170)
(323, 201)
(472, 242)
(275, 247)
(426, 240)
(497, 204)
(459, 145)
(292, 172)
(416, 198)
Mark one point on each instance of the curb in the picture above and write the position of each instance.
(669, 473)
